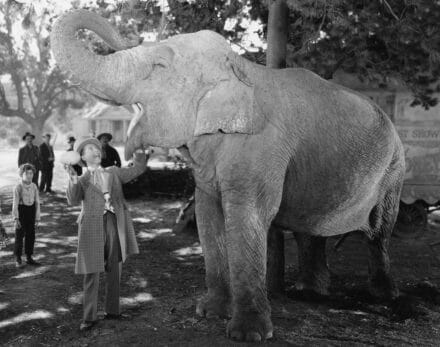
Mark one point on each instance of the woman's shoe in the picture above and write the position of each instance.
(31, 261)
(18, 263)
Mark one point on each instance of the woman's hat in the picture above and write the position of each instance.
(90, 140)
(28, 134)
(108, 135)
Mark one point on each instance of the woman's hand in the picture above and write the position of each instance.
(71, 172)
(17, 224)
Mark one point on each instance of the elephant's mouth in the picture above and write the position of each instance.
(107, 101)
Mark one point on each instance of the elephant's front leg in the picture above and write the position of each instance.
(211, 227)
(247, 248)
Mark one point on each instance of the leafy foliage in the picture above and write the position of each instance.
(377, 40)
(31, 88)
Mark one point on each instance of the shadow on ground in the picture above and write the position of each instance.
(42, 305)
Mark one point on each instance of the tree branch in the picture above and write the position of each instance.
(29, 91)
(8, 112)
(387, 5)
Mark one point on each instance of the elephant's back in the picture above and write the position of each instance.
(341, 157)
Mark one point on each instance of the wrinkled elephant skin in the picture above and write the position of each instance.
(272, 150)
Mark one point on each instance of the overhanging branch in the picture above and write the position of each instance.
(8, 112)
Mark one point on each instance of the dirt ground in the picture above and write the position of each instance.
(41, 305)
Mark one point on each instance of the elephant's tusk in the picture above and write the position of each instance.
(138, 113)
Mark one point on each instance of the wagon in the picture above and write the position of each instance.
(419, 130)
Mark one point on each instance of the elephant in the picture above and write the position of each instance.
(271, 149)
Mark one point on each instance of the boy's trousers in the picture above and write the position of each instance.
(113, 266)
(26, 216)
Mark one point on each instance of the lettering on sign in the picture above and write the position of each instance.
(426, 133)
(412, 134)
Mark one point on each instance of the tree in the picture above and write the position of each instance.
(31, 88)
(277, 34)
(377, 40)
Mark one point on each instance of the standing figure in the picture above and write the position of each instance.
(30, 154)
(26, 213)
(47, 163)
(110, 155)
(105, 229)
(71, 142)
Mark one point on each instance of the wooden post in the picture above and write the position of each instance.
(277, 34)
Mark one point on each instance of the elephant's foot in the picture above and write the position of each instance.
(318, 282)
(250, 327)
(211, 305)
(382, 286)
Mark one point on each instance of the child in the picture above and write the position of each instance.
(26, 213)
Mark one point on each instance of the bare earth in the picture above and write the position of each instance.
(41, 305)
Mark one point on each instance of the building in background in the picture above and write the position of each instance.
(104, 118)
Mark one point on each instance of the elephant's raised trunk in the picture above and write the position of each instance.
(104, 76)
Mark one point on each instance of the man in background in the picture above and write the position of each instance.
(71, 142)
(47, 163)
(30, 153)
(110, 155)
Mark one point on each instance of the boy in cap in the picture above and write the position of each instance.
(30, 153)
(105, 230)
(26, 213)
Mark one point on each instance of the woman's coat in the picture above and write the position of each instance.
(90, 253)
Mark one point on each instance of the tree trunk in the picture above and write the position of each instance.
(37, 130)
(277, 33)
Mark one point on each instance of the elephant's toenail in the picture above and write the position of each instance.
(253, 337)
(200, 311)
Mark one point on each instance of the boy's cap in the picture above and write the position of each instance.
(91, 140)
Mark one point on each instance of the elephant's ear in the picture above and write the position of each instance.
(230, 105)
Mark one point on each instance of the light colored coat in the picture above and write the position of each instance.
(90, 253)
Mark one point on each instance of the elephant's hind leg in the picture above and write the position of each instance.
(314, 274)
(382, 220)
(211, 227)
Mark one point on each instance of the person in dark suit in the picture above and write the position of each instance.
(47, 163)
(30, 154)
(110, 155)
(71, 142)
